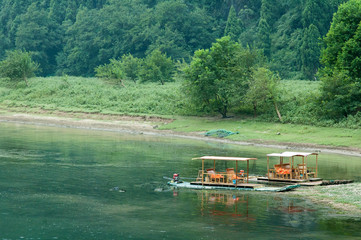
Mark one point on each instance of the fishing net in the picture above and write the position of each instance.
(221, 133)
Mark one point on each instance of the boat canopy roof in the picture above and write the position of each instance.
(291, 154)
(223, 158)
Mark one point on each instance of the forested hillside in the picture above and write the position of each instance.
(74, 37)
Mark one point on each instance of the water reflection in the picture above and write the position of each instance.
(236, 205)
(224, 204)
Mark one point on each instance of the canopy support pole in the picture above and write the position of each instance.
(247, 169)
(268, 167)
(303, 169)
(202, 171)
(236, 172)
(316, 164)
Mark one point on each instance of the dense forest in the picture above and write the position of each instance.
(73, 37)
(220, 57)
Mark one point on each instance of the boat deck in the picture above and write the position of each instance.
(289, 180)
(239, 185)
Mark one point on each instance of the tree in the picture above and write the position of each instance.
(131, 66)
(264, 40)
(263, 89)
(57, 11)
(264, 27)
(310, 52)
(217, 77)
(170, 42)
(342, 33)
(233, 26)
(18, 66)
(40, 35)
(83, 41)
(157, 67)
(319, 13)
(341, 81)
(268, 11)
(111, 71)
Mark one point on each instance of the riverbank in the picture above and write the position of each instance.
(282, 136)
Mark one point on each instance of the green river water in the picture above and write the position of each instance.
(62, 183)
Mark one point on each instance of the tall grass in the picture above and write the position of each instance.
(94, 95)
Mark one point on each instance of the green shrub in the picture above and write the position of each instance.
(18, 66)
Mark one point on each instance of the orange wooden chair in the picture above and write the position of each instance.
(214, 177)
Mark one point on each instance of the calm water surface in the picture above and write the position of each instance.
(59, 183)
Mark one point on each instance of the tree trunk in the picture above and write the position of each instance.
(26, 80)
(254, 110)
(122, 83)
(224, 111)
(278, 112)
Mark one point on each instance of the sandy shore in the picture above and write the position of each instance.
(147, 126)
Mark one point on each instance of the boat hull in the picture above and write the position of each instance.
(310, 182)
(259, 188)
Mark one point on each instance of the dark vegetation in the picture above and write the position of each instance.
(74, 37)
(200, 57)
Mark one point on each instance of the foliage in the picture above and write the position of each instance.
(38, 33)
(111, 71)
(341, 95)
(264, 32)
(341, 89)
(73, 37)
(342, 47)
(18, 65)
(157, 67)
(352, 121)
(217, 77)
(131, 66)
(310, 52)
(82, 46)
(264, 27)
(263, 89)
(234, 25)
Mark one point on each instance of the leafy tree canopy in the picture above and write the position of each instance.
(73, 37)
(157, 67)
(341, 89)
(217, 77)
(263, 90)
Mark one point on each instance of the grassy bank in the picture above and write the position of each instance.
(250, 130)
(92, 95)
(345, 198)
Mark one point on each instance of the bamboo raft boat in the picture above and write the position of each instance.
(231, 179)
(292, 167)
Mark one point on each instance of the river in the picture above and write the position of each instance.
(64, 183)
